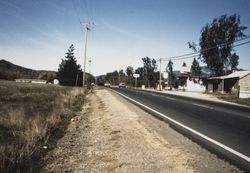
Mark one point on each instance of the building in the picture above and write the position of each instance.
(31, 81)
(184, 74)
(236, 83)
(56, 81)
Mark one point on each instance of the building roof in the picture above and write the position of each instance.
(236, 74)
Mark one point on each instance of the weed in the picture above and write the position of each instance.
(29, 116)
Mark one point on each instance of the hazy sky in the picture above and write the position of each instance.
(37, 33)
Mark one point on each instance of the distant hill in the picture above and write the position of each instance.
(10, 71)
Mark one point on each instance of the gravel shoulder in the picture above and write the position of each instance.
(113, 135)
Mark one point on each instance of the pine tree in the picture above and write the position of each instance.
(184, 64)
(69, 71)
(195, 68)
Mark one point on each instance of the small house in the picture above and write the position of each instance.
(237, 83)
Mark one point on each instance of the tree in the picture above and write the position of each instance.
(234, 61)
(140, 71)
(113, 77)
(129, 72)
(195, 68)
(216, 43)
(69, 71)
(171, 77)
(149, 66)
(122, 76)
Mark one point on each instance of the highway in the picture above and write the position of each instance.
(222, 128)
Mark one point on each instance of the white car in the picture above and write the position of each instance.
(107, 84)
(122, 85)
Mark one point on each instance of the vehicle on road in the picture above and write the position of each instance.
(107, 84)
(122, 85)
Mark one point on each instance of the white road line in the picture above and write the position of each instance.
(201, 105)
(170, 98)
(190, 129)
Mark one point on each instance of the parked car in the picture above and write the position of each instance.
(107, 84)
(122, 85)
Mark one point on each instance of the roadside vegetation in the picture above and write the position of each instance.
(30, 116)
(233, 99)
(215, 50)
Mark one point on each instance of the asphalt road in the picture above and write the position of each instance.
(222, 128)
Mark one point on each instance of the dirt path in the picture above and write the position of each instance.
(112, 135)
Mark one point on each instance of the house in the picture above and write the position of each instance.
(56, 81)
(31, 81)
(237, 83)
(184, 74)
(188, 83)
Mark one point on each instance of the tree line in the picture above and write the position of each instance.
(215, 49)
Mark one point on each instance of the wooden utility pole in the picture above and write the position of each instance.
(87, 28)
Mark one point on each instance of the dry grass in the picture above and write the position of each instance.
(29, 113)
(232, 98)
(245, 101)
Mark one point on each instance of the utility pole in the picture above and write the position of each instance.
(87, 28)
(160, 88)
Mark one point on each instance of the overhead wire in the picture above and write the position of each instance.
(87, 9)
(240, 44)
(91, 9)
(76, 11)
(191, 55)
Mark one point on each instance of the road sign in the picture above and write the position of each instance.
(136, 75)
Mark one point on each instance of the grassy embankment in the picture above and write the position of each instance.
(30, 115)
(245, 101)
(233, 99)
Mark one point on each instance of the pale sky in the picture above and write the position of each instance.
(37, 33)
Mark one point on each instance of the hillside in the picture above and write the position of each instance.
(10, 71)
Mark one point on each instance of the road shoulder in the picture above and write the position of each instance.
(113, 135)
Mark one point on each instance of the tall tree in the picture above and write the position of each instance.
(69, 71)
(129, 72)
(234, 61)
(140, 71)
(216, 43)
(149, 66)
(171, 76)
(195, 68)
(122, 76)
(113, 77)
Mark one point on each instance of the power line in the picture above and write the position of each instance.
(76, 11)
(86, 7)
(91, 10)
(240, 44)
(191, 55)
